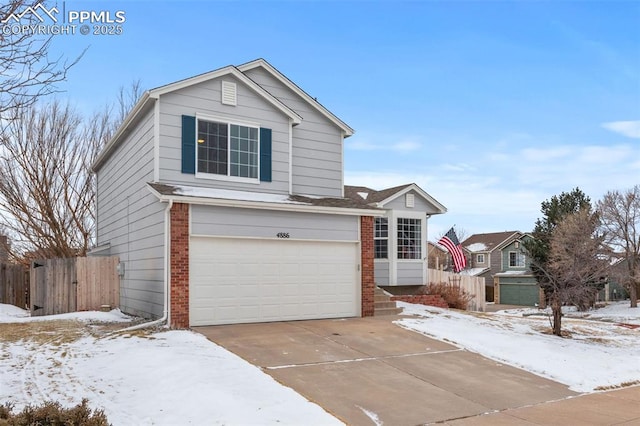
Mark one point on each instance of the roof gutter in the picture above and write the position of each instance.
(305, 208)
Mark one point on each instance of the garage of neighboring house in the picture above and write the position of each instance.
(519, 290)
(240, 280)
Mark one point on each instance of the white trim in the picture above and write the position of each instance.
(244, 237)
(413, 187)
(227, 178)
(128, 121)
(302, 208)
(290, 156)
(156, 141)
(342, 164)
(298, 91)
(229, 122)
(228, 70)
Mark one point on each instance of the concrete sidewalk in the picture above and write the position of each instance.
(619, 407)
(370, 371)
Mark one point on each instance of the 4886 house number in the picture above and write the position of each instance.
(282, 235)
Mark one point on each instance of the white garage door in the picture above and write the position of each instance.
(236, 280)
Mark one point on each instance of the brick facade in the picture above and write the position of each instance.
(179, 292)
(423, 299)
(366, 262)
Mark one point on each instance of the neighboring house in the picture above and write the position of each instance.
(438, 257)
(499, 258)
(400, 236)
(223, 196)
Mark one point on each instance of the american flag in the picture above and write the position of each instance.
(450, 241)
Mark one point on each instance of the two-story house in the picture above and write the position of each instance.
(499, 258)
(223, 197)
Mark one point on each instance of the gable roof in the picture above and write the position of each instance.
(488, 242)
(348, 131)
(148, 99)
(368, 196)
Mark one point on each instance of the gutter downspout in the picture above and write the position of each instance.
(167, 272)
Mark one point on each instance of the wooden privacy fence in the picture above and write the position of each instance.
(14, 285)
(472, 285)
(59, 286)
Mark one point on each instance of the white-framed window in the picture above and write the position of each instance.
(409, 238)
(480, 258)
(381, 238)
(516, 259)
(227, 149)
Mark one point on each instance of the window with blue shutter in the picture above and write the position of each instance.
(217, 148)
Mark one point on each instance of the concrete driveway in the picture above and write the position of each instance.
(369, 371)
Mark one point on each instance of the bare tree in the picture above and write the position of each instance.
(620, 216)
(577, 263)
(47, 189)
(27, 71)
(46, 192)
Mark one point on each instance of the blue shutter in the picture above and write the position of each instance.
(188, 144)
(265, 155)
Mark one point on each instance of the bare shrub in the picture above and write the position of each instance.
(53, 414)
(455, 296)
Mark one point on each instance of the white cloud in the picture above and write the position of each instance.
(501, 191)
(630, 129)
(402, 146)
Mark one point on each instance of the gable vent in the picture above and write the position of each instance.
(410, 200)
(229, 95)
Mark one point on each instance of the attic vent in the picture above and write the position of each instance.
(364, 195)
(410, 200)
(229, 95)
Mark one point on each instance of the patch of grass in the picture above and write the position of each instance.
(53, 414)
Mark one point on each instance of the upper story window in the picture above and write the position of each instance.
(516, 259)
(480, 258)
(409, 238)
(381, 238)
(227, 149)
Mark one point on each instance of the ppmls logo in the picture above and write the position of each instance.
(37, 12)
(40, 20)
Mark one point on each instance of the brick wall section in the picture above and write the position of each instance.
(423, 299)
(179, 287)
(366, 262)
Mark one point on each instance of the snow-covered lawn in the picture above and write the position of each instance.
(139, 378)
(600, 352)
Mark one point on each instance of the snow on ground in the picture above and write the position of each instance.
(164, 378)
(597, 355)
(618, 312)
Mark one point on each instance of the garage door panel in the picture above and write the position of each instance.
(245, 280)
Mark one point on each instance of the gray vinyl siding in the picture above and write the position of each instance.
(420, 204)
(131, 220)
(410, 273)
(381, 272)
(238, 222)
(204, 98)
(317, 142)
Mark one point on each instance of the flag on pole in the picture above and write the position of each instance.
(450, 241)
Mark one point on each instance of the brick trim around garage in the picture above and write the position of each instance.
(366, 265)
(179, 262)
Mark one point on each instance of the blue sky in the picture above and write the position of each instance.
(491, 107)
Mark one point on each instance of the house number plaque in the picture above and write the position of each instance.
(282, 235)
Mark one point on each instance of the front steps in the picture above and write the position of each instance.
(382, 304)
